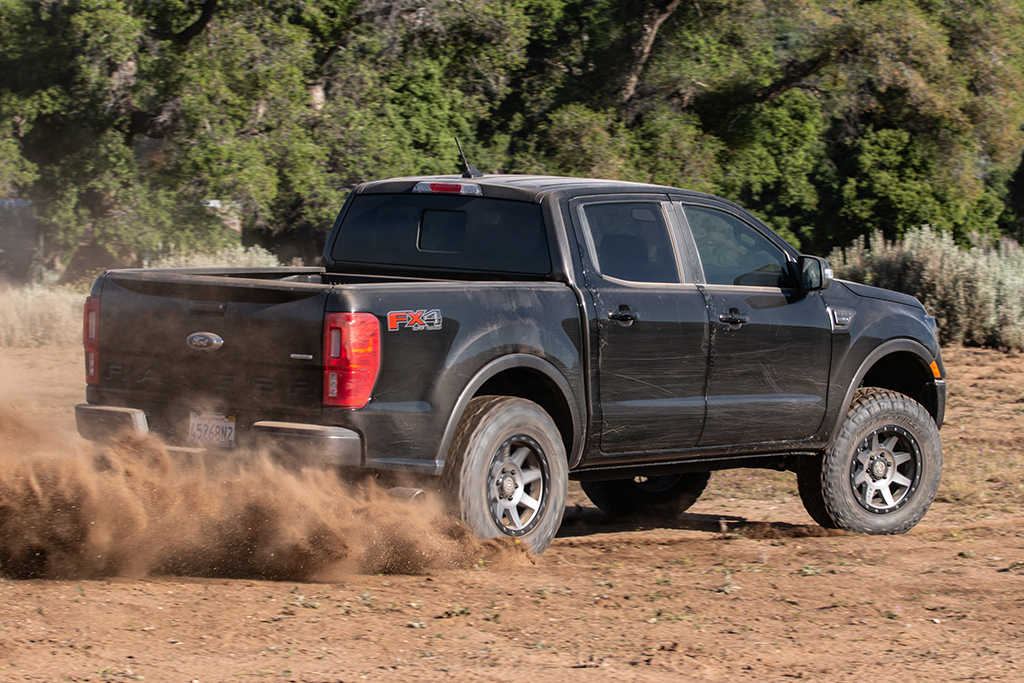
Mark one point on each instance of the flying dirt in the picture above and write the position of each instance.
(69, 510)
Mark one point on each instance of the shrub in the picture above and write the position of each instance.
(232, 257)
(976, 295)
(40, 316)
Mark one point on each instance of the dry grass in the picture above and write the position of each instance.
(38, 316)
(982, 476)
(234, 257)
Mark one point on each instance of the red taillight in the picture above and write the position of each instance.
(351, 358)
(90, 340)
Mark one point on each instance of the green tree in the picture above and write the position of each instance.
(123, 121)
(131, 118)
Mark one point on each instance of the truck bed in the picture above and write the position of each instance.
(270, 366)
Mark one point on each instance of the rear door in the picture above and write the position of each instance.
(770, 343)
(651, 325)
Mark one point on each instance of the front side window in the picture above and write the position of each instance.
(733, 253)
(632, 241)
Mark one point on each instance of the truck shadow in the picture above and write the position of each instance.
(581, 521)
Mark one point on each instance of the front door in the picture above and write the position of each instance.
(770, 343)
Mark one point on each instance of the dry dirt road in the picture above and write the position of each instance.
(743, 588)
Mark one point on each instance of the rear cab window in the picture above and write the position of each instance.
(443, 232)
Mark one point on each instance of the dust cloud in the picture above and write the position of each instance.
(71, 510)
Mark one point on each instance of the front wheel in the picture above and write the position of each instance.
(882, 473)
(508, 470)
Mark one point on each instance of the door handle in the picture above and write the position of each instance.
(624, 315)
(207, 309)
(733, 317)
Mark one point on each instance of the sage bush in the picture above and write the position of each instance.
(976, 294)
(231, 257)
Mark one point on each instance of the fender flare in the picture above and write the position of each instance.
(509, 362)
(892, 346)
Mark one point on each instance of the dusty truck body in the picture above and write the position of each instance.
(496, 336)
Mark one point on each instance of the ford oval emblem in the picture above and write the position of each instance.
(204, 341)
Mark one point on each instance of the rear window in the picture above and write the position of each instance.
(452, 232)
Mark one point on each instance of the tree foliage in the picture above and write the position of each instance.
(126, 122)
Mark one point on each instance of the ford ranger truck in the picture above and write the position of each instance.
(493, 337)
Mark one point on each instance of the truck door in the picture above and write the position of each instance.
(770, 343)
(651, 325)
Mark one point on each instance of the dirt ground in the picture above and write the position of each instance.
(744, 587)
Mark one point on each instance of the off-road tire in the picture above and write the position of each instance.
(882, 473)
(666, 496)
(507, 455)
(808, 483)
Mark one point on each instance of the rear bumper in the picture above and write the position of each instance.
(317, 443)
(101, 423)
(289, 440)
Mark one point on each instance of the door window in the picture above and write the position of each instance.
(733, 253)
(631, 241)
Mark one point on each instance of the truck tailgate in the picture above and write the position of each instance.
(268, 366)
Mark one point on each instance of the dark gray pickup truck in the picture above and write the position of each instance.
(498, 335)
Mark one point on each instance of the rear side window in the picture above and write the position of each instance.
(450, 232)
(632, 241)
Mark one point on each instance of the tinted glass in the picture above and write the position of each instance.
(444, 231)
(733, 253)
(632, 241)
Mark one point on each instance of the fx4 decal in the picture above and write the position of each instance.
(417, 320)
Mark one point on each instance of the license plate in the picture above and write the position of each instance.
(212, 429)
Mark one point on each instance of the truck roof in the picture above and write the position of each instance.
(528, 188)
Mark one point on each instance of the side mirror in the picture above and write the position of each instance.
(815, 275)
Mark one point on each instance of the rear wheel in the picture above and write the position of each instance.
(666, 496)
(507, 468)
(882, 473)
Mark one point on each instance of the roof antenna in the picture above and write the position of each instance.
(471, 170)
